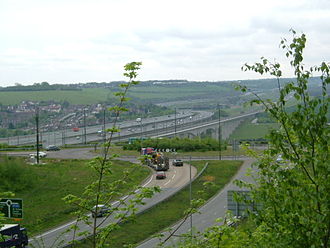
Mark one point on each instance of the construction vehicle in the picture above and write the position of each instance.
(155, 160)
(13, 235)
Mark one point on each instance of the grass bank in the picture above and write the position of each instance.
(248, 130)
(42, 187)
(170, 211)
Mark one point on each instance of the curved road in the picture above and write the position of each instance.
(176, 178)
(215, 208)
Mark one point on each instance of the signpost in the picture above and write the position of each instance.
(239, 208)
(12, 208)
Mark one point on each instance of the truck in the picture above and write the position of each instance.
(13, 235)
(156, 160)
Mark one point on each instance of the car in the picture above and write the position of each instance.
(52, 148)
(100, 210)
(100, 133)
(160, 175)
(177, 162)
(41, 155)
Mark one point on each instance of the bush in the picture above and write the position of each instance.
(180, 145)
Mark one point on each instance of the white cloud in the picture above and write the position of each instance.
(83, 40)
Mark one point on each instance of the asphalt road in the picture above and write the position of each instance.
(176, 178)
(214, 209)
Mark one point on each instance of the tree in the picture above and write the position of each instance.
(104, 192)
(294, 193)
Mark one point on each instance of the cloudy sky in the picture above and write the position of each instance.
(72, 41)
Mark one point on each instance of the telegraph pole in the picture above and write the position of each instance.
(104, 132)
(37, 131)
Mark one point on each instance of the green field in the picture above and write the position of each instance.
(96, 95)
(248, 130)
(179, 91)
(42, 187)
(85, 96)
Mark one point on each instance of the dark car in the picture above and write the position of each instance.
(160, 175)
(100, 210)
(52, 148)
(177, 162)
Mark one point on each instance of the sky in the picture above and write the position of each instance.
(78, 41)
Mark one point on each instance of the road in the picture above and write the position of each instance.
(67, 136)
(214, 209)
(176, 178)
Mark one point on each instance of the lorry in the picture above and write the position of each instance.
(13, 235)
(156, 160)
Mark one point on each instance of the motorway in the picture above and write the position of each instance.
(176, 178)
(128, 128)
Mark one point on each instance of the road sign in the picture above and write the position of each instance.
(239, 208)
(12, 208)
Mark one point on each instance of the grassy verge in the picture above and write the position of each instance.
(249, 130)
(42, 187)
(172, 210)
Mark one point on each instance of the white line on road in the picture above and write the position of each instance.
(54, 230)
(167, 182)
(147, 182)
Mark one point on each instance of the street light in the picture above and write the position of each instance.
(139, 120)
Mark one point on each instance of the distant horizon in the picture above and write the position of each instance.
(154, 80)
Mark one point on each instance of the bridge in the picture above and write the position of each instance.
(210, 128)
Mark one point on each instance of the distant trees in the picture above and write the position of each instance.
(39, 87)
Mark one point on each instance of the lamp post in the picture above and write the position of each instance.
(37, 131)
(175, 122)
(85, 139)
(139, 120)
(104, 132)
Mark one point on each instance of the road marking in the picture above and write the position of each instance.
(174, 174)
(147, 182)
(167, 182)
(54, 230)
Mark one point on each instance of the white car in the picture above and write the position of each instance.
(41, 155)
